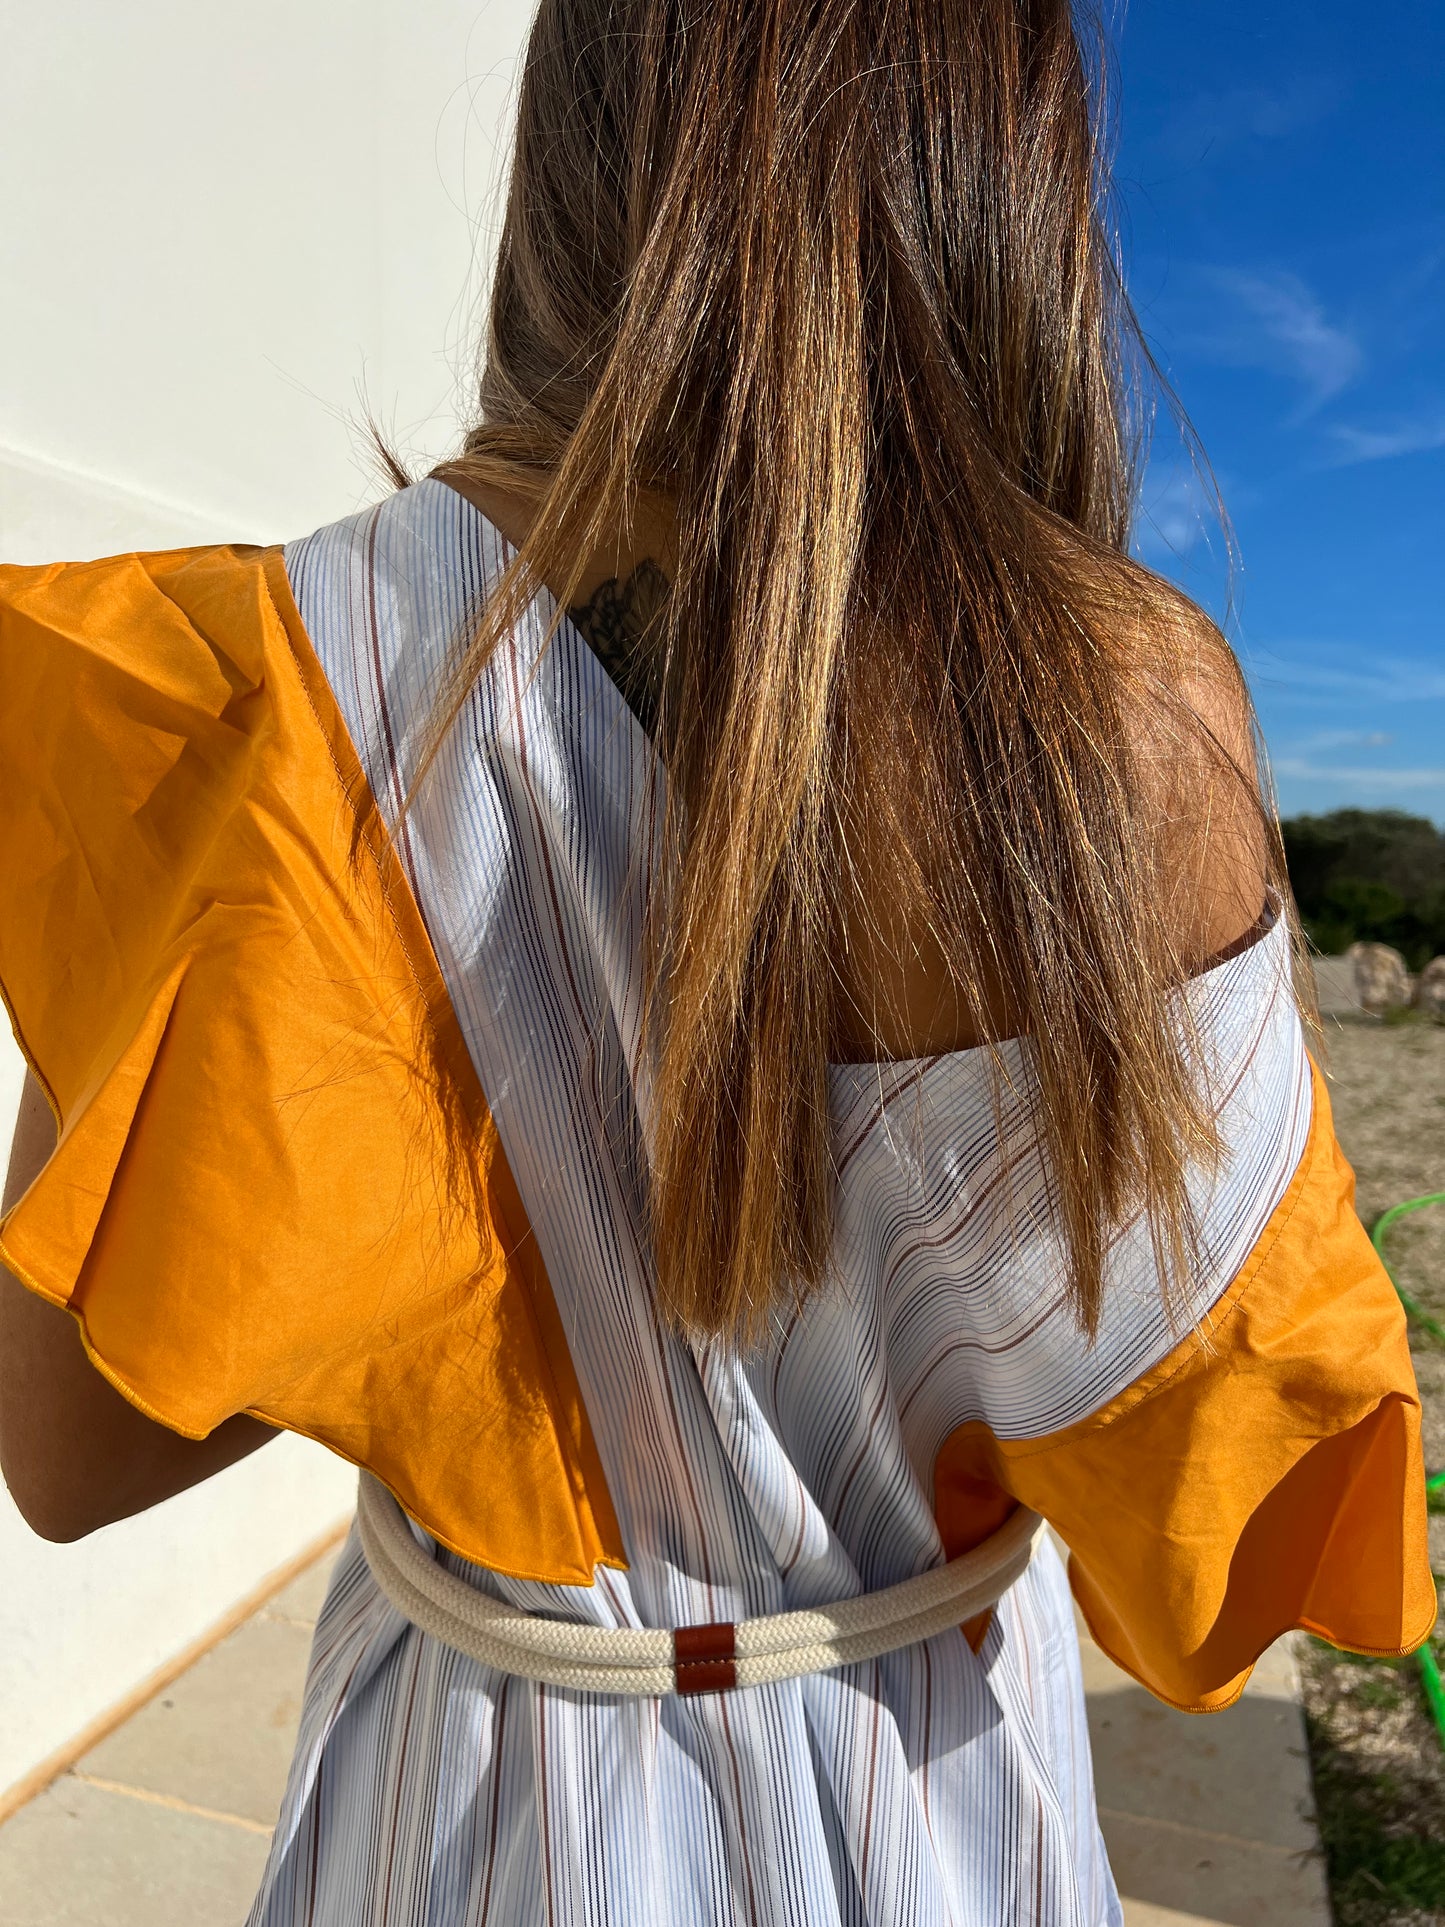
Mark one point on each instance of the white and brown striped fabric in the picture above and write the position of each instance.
(935, 1785)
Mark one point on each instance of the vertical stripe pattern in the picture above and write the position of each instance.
(938, 1786)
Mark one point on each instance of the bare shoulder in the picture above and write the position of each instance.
(1197, 755)
(1181, 645)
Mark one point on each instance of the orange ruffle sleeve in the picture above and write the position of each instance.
(277, 1187)
(1265, 1475)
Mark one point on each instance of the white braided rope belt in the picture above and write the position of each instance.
(692, 1659)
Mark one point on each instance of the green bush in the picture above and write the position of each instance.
(1376, 876)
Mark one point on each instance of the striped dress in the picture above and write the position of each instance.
(937, 1785)
(262, 1001)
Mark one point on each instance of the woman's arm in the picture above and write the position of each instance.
(74, 1453)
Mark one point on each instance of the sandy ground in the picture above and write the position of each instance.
(1387, 1086)
(1379, 1763)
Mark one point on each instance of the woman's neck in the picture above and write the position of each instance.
(897, 999)
(621, 593)
(645, 549)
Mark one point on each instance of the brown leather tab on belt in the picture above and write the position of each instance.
(703, 1657)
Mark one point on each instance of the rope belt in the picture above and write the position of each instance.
(693, 1659)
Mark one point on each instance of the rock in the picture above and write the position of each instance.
(1381, 980)
(1430, 990)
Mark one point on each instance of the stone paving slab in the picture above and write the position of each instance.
(165, 1823)
(1243, 1773)
(1190, 1876)
(1209, 1819)
(85, 1856)
(301, 1601)
(221, 1735)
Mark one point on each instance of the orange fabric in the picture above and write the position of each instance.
(1266, 1474)
(278, 1188)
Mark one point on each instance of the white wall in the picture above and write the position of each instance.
(221, 235)
(220, 230)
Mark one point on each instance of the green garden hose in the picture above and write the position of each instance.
(1429, 1666)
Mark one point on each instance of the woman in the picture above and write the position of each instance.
(728, 1100)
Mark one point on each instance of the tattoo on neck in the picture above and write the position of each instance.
(621, 620)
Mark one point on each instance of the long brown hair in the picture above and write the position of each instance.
(835, 279)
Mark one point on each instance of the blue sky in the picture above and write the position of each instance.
(1281, 179)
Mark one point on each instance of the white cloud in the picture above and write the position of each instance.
(1354, 444)
(1174, 515)
(1228, 115)
(1383, 679)
(1301, 769)
(1346, 739)
(1273, 320)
